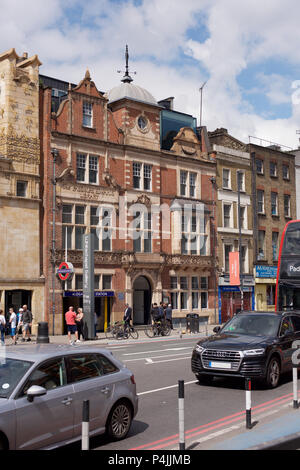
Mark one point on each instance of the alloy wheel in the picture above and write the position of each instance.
(273, 372)
(120, 421)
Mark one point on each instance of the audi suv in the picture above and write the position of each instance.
(257, 345)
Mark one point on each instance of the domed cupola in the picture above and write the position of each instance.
(130, 91)
(135, 111)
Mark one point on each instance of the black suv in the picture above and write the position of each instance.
(251, 344)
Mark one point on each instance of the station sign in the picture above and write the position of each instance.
(65, 271)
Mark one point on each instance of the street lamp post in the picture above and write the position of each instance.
(213, 226)
(54, 153)
(239, 174)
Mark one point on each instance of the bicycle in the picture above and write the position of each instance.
(125, 331)
(121, 330)
(111, 330)
(158, 328)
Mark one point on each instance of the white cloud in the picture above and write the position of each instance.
(70, 36)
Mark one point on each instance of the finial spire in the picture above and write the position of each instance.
(127, 78)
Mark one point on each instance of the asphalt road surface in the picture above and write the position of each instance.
(212, 412)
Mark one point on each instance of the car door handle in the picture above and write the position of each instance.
(67, 401)
(105, 390)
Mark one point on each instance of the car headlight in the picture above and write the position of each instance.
(199, 348)
(254, 352)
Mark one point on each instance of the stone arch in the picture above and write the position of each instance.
(142, 289)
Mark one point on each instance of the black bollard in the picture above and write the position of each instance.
(43, 333)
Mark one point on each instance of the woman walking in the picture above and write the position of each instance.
(79, 323)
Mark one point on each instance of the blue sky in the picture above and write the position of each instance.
(246, 50)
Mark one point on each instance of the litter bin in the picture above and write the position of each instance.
(43, 332)
(189, 322)
(192, 322)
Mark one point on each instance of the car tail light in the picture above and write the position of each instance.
(132, 380)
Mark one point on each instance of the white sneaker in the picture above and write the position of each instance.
(71, 343)
(78, 341)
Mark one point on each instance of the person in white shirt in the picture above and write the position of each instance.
(2, 326)
(13, 324)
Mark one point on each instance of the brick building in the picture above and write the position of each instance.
(274, 203)
(151, 210)
(233, 162)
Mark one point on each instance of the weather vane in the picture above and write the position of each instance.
(127, 78)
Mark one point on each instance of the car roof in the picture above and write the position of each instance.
(40, 352)
(280, 313)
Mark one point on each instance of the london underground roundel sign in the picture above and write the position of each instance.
(65, 271)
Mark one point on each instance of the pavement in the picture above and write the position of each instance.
(101, 339)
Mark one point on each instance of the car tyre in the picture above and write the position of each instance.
(119, 421)
(204, 379)
(273, 372)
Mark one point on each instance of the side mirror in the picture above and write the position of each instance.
(35, 391)
(216, 329)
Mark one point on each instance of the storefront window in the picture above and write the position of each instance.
(271, 294)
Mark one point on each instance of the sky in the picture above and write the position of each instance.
(246, 52)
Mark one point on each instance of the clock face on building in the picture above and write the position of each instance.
(142, 123)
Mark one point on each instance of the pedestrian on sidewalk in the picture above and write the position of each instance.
(79, 323)
(70, 317)
(169, 315)
(27, 323)
(19, 322)
(2, 327)
(127, 316)
(13, 324)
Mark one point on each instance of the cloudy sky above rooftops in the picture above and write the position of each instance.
(247, 51)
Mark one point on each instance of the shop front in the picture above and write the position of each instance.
(103, 306)
(229, 297)
(265, 287)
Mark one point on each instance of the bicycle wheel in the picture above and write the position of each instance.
(149, 331)
(133, 333)
(109, 334)
(165, 330)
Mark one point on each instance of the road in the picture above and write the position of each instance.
(211, 412)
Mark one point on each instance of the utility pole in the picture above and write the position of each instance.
(239, 174)
(201, 92)
(213, 227)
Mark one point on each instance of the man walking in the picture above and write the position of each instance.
(127, 315)
(70, 317)
(13, 324)
(27, 323)
(169, 315)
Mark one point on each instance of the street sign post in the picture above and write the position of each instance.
(88, 286)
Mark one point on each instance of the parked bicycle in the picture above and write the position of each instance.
(158, 328)
(121, 330)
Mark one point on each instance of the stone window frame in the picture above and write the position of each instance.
(180, 291)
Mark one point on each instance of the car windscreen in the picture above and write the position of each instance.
(257, 325)
(11, 372)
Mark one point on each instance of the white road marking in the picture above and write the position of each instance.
(166, 388)
(153, 357)
(170, 360)
(156, 351)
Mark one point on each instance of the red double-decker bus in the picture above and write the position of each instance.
(287, 295)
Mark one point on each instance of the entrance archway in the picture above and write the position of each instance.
(142, 296)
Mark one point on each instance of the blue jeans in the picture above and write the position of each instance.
(2, 330)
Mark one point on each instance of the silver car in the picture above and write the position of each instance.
(42, 389)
